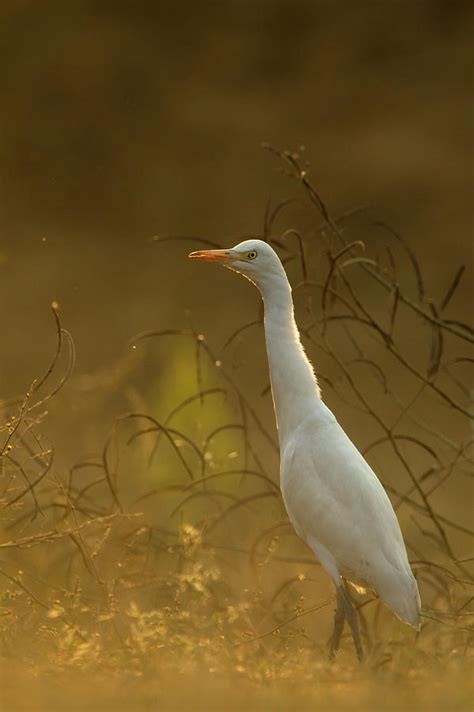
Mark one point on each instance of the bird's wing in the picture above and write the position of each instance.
(338, 506)
(334, 497)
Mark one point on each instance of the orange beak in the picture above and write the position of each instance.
(211, 255)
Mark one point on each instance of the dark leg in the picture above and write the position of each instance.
(339, 618)
(353, 620)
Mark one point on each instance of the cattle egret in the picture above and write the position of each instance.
(333, 498)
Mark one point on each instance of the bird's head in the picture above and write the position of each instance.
(255, 259)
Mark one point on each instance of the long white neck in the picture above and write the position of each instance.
(295, 388)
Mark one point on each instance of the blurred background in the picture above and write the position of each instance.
(121, 121)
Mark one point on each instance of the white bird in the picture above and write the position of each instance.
(333, 498)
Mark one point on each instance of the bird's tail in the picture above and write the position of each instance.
(402, 596)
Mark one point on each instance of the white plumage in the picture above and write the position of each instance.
(334, 499)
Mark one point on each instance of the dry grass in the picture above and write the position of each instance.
(163, 573)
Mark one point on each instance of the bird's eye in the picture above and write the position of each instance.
(251, 255)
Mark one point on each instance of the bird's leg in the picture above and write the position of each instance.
(339, 618)
(353, 620)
